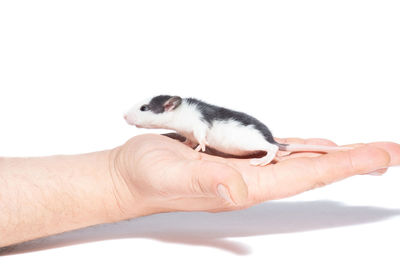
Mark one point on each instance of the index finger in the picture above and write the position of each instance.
(294, 176)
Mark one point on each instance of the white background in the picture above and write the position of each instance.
(331, 69)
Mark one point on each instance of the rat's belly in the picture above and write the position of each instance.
(234, 138)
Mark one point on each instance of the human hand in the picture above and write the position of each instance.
(158, 174)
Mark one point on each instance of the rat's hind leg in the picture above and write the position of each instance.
(200, 135)
(271, 153)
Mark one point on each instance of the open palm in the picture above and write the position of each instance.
(162, 174)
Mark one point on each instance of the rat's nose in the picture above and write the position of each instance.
(128, 120)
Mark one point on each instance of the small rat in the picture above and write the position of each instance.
(226, 130)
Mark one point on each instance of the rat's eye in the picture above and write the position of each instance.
(144, 108)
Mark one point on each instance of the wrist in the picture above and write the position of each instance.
(125, 202)
(130, 175)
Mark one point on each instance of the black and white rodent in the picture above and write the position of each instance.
(225, 130)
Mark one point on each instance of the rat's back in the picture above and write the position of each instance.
(231, 131)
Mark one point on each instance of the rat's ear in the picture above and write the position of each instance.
(172, 103)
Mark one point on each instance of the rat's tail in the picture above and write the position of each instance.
(311, 148)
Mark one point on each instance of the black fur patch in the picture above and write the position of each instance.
(157, 103)
(212, 113)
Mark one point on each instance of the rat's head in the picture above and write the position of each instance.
(153, 113)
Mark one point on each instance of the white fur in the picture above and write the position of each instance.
(234, 138)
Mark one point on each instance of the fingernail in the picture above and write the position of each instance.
(224, 193)
(378, 172)
(375, 173)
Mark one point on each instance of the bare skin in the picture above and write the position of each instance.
(152, 174)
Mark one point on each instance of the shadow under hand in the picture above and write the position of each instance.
(213, 229)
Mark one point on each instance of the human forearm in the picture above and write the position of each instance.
(49, 195)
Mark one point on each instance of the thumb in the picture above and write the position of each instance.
(218, 179)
